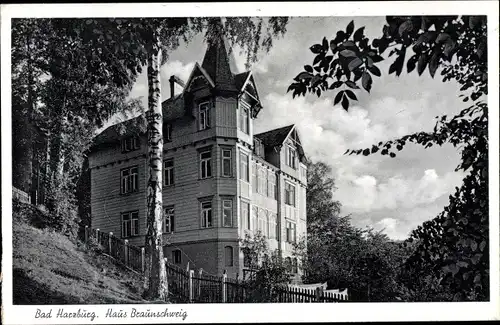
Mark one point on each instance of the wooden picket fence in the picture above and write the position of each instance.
(192, 286)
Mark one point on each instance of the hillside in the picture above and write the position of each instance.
(48, 268)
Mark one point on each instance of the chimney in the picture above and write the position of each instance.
(174, 80)
(172, 86)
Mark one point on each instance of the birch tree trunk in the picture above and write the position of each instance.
(156, 279)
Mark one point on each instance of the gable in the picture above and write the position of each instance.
(199, 78)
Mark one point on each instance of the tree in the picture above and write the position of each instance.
(269, 273)
(453, 247)
(56, 95)
(322, 210)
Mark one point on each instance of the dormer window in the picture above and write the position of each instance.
(204, 118)
(244, 120)
(130, 144)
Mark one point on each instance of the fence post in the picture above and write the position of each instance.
(191, 274)
(109, 242)
(97, 236)
(166, 276)
(223, 286)
(86, 236)
(125, 247)
(143, 258)
(200, 271)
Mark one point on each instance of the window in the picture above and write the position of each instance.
(129, 180)
(303, 172)
(271, 186)
(272, 225)
(206, 164)
(291, 157)
(254, 177)
(289, 194)
(168, 172)
(227, 213)
(168, 219)
(244, 120)
(291, 231)
(228, 254)
(255, 215)
(130, 224)
(226, 163)
(206, 214)
(263, 222)
(258, 148)
(176, 256)
(204, 116)
(130, 144)
(244, 167)
(245, 215)
(167, 132)
(262, 181)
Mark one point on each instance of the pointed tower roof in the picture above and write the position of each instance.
(216, 60)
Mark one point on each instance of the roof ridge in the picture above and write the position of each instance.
(279, 128)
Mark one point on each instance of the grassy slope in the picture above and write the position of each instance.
(50, 269)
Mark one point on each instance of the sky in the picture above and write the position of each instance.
(391, 194)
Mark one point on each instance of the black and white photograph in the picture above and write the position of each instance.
(161, 160)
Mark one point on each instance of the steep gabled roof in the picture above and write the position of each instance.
(275, 137)
(216, 62)
(240, 79)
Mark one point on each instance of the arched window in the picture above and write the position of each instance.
(228, 254)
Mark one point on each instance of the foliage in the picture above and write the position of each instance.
(322, 210)
(364, 261)
(269, 272)
(452, 248)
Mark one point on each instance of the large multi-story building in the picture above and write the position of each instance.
(220, 182)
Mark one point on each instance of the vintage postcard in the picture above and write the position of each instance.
(320, 162)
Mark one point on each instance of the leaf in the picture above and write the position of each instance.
(369, 61)
(333, 46)
(412, 63)
(350, 28)
(405, 27)
(482, 245)
(392, 154)
(434, 63)
(422, 63)
(462, 264)
(374, 149)
(308, 68)
(345, 103)
(377, 58)
(355, 63)
(366, 152)
(351, 94)
(338, 97)
(366, 81)
(351, 84)
(358, 35)
(442, 37)
(473, 245)
(316, 48)
(303, 76)
(325, 44)
(317, 58)
(373, 69)
(348, 53)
